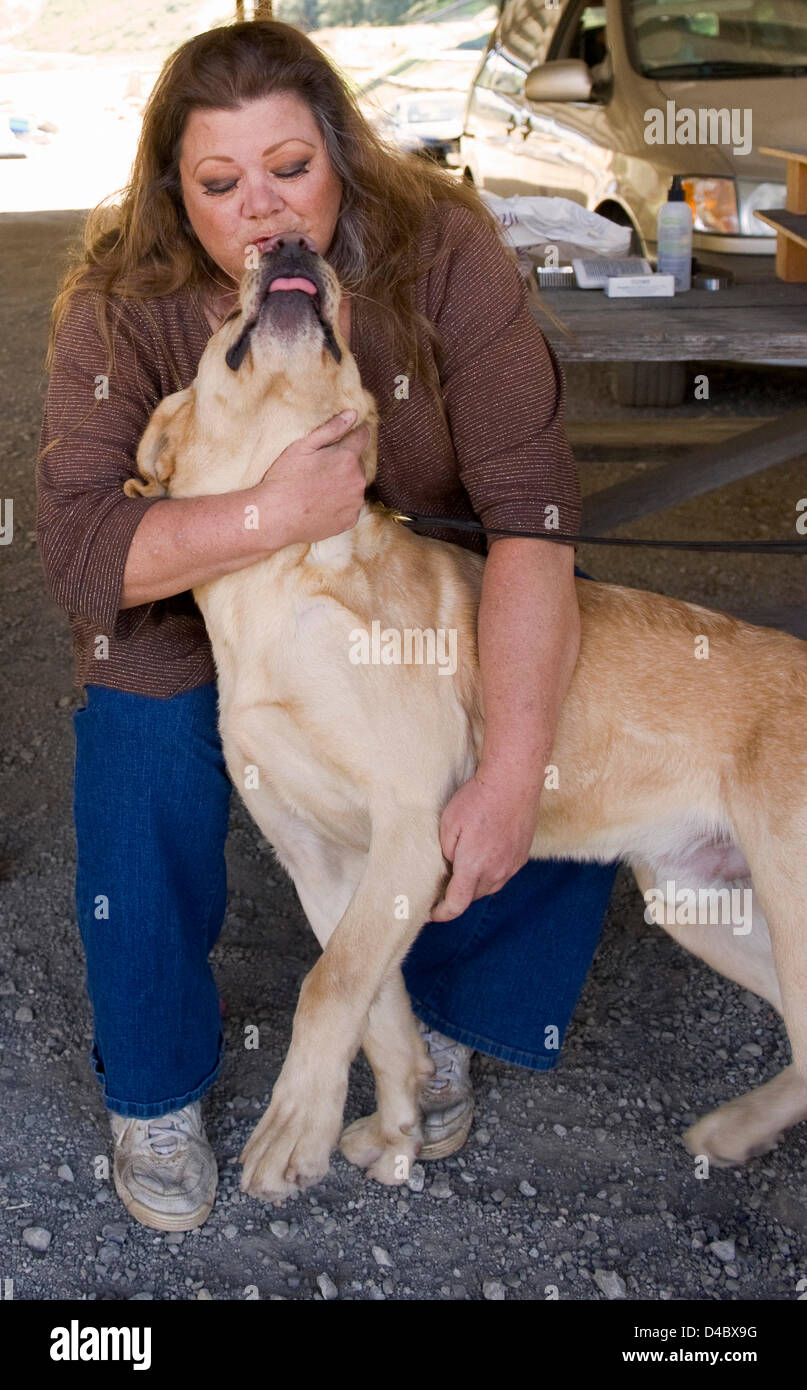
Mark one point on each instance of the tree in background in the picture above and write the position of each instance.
(314, 14)
(303, 13)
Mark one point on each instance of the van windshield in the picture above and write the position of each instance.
(724, 38)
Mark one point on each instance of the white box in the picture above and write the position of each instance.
(639, 286)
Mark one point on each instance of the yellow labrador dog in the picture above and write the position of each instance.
(693, 771)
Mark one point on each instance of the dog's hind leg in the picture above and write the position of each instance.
(752, 1124)
(774, 840)
(290, 1147)
(388, 1142)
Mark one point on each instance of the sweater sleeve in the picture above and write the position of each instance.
(94, 419)
(503, 388)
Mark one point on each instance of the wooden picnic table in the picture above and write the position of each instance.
(761, 322)
(751, 323)
(758, 322)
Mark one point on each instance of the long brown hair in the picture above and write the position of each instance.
(144, 245)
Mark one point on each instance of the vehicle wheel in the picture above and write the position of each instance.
(650, 383)
(617, 214)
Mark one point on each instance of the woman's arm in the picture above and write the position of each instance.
(185, 541)
(315, 488)
(529, 637)
(104, 557)
(504, 394)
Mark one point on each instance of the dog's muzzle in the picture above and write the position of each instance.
(289, 286)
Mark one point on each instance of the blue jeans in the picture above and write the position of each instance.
(151, 807)
(151, 803)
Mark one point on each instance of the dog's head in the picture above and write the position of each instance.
(275, 369)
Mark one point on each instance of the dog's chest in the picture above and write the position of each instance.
(300, 697)
(311, 618)
(273, 637)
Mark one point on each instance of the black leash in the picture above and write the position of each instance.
(777, 547)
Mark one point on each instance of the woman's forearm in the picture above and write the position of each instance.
(528, 633)
(184, 541)
(529, 638)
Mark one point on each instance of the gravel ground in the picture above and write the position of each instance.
(572, 1184)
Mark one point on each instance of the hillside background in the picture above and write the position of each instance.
(76, 75)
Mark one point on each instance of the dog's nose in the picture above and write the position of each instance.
(290, 239)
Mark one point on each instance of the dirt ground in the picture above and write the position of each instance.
(574, 1181)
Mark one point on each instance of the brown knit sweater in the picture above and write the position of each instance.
(496, 451)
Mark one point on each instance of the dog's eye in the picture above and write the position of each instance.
(230, 317)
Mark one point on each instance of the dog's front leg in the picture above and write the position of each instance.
(291, 1146)
(387, 1142)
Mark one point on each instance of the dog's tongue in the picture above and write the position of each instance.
(296, 282)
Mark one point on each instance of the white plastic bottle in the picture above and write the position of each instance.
(674, 246)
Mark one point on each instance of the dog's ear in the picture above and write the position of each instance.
(156, 452)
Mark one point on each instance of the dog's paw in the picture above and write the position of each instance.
(289, 1149)
(727, 1139)
(282, 1161)
(271, 1189)
(387, 1155)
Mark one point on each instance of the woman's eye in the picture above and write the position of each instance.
(295, 173)
(214, 189)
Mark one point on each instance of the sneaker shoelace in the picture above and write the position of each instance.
(445, 1054)
(163, 1134)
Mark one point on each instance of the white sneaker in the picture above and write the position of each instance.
(447, 1099)
(165, 1171)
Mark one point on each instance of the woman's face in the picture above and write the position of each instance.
(255, 172)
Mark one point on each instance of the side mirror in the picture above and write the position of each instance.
(565, 79)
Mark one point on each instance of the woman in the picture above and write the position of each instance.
(250, 132)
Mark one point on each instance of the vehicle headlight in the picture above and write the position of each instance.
(758, 195)
(727, 207)
(714, 205)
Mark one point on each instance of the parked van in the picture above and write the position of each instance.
(604, 103)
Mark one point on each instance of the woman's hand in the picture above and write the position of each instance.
(315, 488)
(485, 832)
